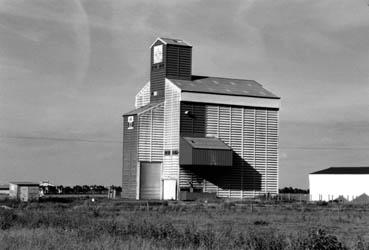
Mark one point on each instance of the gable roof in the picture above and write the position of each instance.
(25, 183)
(223, 86)
(206, 143)
(343, 170)
(172, 41)
(143, 108)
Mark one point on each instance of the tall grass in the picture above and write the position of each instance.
(119, 225)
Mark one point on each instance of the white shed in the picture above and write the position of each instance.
(24, 191)
(339, 182)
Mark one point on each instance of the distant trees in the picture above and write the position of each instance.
(291, 190)
(77, 189)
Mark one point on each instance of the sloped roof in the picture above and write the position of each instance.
(223, 86)
(172, 41)
(25, 183)
(363, 198)
(344, 170)
(143, 109)
(206, 143)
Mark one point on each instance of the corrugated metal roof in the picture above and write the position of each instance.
(206, 143)
(224, 86)
(172, 41)
(25, 183)
(344, 170)
(143, 109)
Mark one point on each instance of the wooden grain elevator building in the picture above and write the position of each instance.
(198, 133)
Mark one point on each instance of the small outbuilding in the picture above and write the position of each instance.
(24, 191)
(4, 189)
(339, 182)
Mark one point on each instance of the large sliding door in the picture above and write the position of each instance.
(150, 174)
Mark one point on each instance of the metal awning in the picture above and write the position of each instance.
(205, 151)
(206, 143)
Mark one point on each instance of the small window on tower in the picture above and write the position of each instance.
(130, 122)
(167, 152)
(155, 93)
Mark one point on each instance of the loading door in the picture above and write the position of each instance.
(150, 173)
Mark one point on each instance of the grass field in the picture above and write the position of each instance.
(118, 224)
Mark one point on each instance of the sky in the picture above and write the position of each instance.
(69, 69)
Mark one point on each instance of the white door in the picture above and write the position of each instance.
(169, 189)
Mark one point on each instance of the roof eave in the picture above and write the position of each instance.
(164, 42)
(213, 93)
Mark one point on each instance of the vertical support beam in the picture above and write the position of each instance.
(218, 135)
(242, 153)
(230, 140)
(253, 177)
(151, 133)
(266, 152)
(138, 181)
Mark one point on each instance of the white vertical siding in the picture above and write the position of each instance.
(249, 140)
(272, 151)
(171, 130)
(260, 146)
(143, 96)
(253, 135)
(236, 144)
(151, 123)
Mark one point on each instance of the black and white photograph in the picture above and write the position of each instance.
(198, 124)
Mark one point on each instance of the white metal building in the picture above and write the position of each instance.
(339, 182)
(24, 191)
(204, 134)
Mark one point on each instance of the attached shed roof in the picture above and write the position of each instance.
(206, 143)
(143, 109)
(344, 170)
(223, 86)
(25, 183)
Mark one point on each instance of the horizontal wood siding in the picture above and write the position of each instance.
(129, 172)
(252, 133)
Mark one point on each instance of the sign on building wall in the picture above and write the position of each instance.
(131, 120)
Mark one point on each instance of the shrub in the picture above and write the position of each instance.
(260, 223)
(319, 239)
(7, 218)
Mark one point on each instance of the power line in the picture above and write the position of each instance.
(324, 148)
(46, 138)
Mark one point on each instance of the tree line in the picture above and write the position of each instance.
(77, 189)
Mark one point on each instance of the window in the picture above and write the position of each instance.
(166, 152)
(175, 152)
(155, 93)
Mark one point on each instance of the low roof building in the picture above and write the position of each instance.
(334, 182)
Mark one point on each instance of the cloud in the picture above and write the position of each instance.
(71, 68)
(283, 155)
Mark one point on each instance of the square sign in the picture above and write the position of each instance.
(158, 54)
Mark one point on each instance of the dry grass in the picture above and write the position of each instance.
(81, 224)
